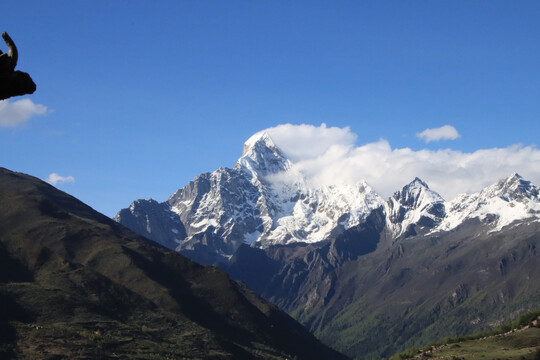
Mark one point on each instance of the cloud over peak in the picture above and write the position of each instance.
(301, 142)
(446, 132)
(328, 156)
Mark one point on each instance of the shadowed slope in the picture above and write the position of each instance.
(75, 284)
(372, 302)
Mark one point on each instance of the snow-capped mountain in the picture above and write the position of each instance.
(417, 208)
(292, 211)
(414, 205)
(261, 157)
(497, 205)
(264, 200)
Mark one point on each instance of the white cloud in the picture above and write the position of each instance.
(446, 132)
(15, 113)
(331, 157)
(55, 179)
(308, 141)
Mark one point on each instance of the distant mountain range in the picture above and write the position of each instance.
(368, 276)
(264, 200)
(76, 285)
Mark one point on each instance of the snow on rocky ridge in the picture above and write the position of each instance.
(265, 200)
(268, 202)
(508, 199)
(414, 205)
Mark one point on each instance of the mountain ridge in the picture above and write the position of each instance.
(264, 200)
(381, 299)
(371, 276)
(76, 284)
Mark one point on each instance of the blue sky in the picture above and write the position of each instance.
(142, 96)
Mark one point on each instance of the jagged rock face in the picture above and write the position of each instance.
(154, 221)
(262, 157)
(221, 211)
(371, 301)
(497, 206)
(514, 188)
(344, 261)
(415, 206)
(264, 200)
(303, 275)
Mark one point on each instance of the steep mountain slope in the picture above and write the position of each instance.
(75, 284)
(374, 289)
(518, 339)
(414, 205)
(521, 344)
(502, 203)
(366, 275)
(263, 201)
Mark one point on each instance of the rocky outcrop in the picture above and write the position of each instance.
(262, 201)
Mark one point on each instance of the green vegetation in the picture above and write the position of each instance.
(518, 339)
(427, 293)
(374, 332)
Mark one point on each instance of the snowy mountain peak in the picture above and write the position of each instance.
(267, 200)
(257, 141)
(418, 182)
(262, 157)
(416, 195)
(513, 187)
(498, 205)
(415, 205)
